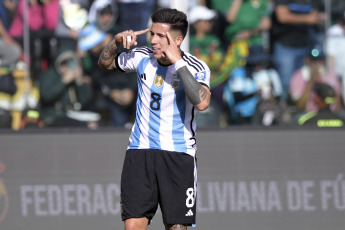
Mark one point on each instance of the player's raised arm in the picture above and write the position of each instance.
(127, 39)
(199, 95)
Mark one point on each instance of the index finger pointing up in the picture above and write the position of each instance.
(170, 39)
(141, 32)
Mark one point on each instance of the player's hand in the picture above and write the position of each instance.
(128, 38)
(172, 51)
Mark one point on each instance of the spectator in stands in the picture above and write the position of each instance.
(338, 28)
(221, 7)
(335, 46)
(18, 92)
(64, 92)
(203, 43)
(8, 88)
(335, 8)
(253, 83)
(290, 36)
(10, 9)
(116, 90)
(247, 20)
(323, 116)
(313, 71)
(43, 15)
(104, 14)
(73, 15)
(10, 50)
(30, 119)
(9, 54)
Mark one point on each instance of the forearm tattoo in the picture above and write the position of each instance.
(202, 93)
(193, 89)
(108, 54)
(176, 227)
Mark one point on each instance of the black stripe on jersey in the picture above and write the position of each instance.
(204, 84)
(117, 64)
(191, 122)
(144, 50)
(193, 62)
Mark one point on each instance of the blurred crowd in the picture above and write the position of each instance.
(273, 62)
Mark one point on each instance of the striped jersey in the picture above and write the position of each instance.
(165, 118)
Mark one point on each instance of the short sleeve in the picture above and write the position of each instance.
(128, 61)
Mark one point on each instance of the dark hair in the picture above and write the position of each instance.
(176, 19)
(325, 91)
(106, 10)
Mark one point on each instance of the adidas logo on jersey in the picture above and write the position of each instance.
(189, 213)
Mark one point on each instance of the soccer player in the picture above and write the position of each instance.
(160, 162)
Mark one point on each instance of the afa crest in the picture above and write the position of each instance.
(175, 84)
(159, 80)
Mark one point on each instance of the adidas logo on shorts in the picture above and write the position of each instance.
(189, 213)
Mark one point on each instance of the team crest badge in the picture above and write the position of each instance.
(175, 84)
(159, 79)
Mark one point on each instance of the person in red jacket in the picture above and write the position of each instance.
(42, 18)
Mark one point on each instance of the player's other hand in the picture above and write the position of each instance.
(128, 38)
(172, 52)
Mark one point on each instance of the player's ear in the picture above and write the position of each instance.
(179, 40)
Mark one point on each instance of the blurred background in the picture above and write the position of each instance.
(265, 57)
(270, 146)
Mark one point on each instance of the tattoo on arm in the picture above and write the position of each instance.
(203, 93)
(108, 55)
(194, 91)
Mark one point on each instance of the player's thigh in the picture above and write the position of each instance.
(139, 193)
(176, 174)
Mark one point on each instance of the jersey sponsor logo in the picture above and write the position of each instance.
(200, 76)
(159, 79)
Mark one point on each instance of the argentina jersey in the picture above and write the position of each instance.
(165, 119)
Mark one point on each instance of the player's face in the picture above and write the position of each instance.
(159, 40)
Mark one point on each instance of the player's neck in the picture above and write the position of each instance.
(164, 61)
